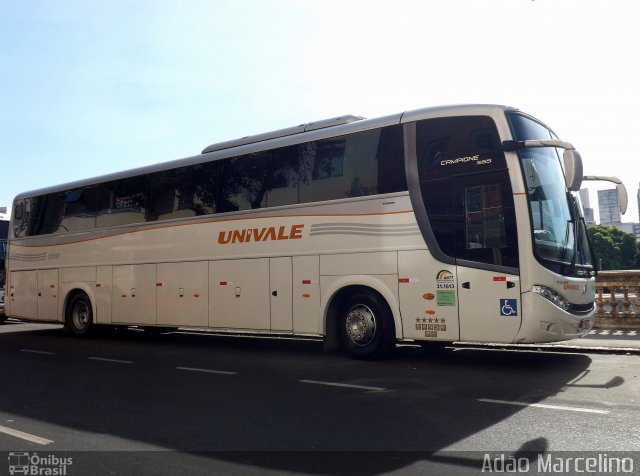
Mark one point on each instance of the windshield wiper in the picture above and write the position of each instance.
(576, 220)
(572, 267)
(565, 241)
(572, 224)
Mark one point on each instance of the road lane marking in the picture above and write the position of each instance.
(611, 332)
(25, 436)
(102, 359)
(34, 351)
(544, 405)
(209, 371)
(345, 385)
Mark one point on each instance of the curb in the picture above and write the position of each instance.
(576, 349)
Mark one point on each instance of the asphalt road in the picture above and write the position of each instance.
(130, 403)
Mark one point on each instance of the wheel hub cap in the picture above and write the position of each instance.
(360, 325)
(80, 315)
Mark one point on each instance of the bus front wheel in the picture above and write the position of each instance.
(79, 318)
(366, 326)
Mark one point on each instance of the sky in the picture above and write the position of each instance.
(89, 87)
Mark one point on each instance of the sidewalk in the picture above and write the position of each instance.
(621, 341)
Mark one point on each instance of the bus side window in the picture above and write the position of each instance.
(242, 182)
(196, 189)
(466, 190)
(263, 179)
(48, 214)
(390, 157)
(128, 201)
(283, 177)
(354, 165)
(19, 225)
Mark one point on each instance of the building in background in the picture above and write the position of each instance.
(608, 207)
(638, 196)
(631, 228)
(589, 217)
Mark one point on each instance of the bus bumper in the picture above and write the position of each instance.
(545, 322)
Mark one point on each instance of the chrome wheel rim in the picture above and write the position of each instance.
(360, 325)
(80, 315)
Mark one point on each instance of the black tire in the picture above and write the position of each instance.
(3, 318)
(366, 326)
(79, 319)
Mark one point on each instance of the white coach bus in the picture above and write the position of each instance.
(442, 224)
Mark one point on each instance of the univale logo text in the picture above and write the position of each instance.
(267, 233)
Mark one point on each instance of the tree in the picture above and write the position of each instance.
(614, 249)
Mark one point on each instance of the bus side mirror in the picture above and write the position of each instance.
(572, 169)
(623, 198)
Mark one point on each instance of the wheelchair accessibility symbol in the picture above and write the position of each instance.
(508, 307)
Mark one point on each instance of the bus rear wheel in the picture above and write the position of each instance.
(79, 319)
(366, 326)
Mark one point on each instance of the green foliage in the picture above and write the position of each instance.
(614, 249)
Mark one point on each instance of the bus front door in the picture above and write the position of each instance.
(489, 305)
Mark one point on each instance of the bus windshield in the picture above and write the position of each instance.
(559, 232)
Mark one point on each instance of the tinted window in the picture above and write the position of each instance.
(46, 212)
(525, 129)
(283, 176)
(83, 206)
(190, 191)
(466, 189)
(244, 182)
(354, 165)
(130, 200)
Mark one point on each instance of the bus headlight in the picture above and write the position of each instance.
(552, 296)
